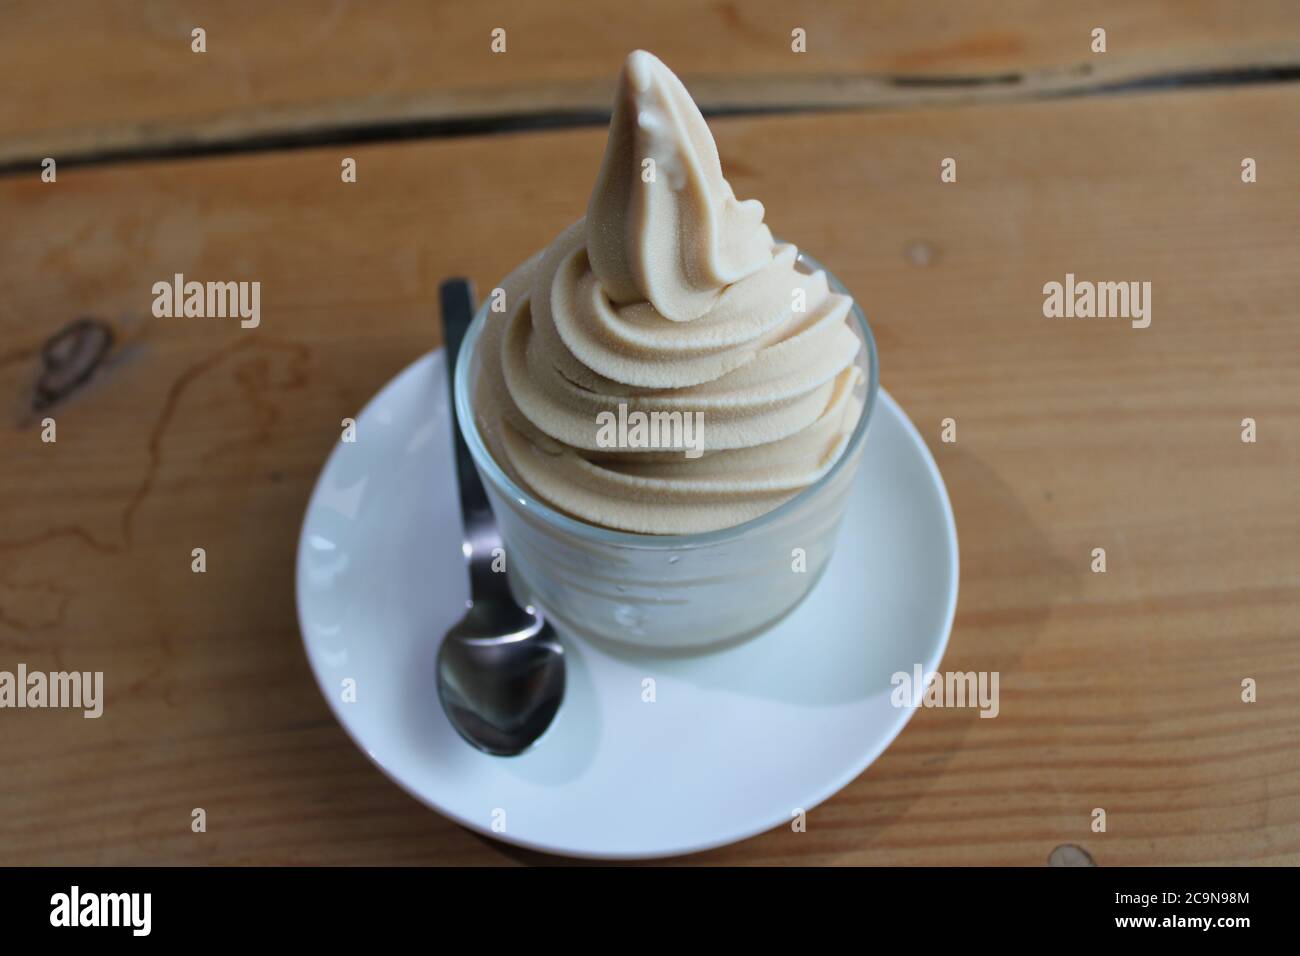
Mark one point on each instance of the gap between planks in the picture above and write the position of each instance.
(450, 113)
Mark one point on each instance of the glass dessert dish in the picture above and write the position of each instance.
(671, 591)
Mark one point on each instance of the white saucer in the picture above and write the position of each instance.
(734, 743)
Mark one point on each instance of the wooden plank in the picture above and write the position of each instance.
(1118, 690)
(88, 78)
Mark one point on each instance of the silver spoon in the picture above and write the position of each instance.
(501, 669)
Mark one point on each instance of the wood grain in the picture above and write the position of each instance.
(1118, 690)
(109, 77)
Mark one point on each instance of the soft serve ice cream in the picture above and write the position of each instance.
(670, 302)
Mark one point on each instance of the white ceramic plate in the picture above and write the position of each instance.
(734, 742)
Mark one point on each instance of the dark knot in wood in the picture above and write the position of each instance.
(69, 358)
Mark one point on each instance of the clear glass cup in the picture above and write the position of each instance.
(667, 591)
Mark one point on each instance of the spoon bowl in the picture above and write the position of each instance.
(501, 682)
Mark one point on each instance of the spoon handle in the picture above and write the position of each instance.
(482, 538)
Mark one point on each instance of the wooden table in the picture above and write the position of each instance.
(1120, 690)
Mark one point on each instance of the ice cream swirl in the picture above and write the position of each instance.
(670, 297)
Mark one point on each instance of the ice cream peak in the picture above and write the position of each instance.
(663, 225)
(671, 298)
